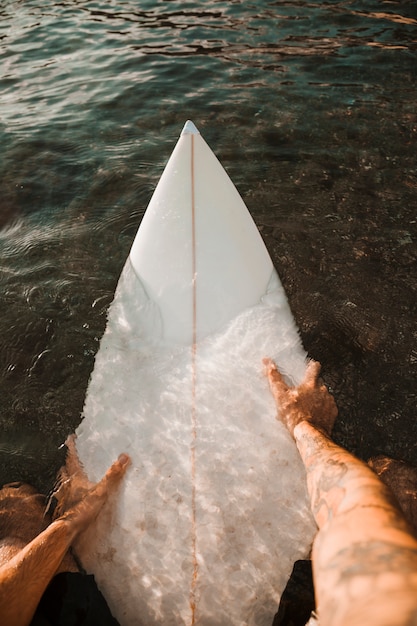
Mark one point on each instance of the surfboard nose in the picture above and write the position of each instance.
(190, 128)
(198, 253)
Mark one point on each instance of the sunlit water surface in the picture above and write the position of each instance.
(311, 107)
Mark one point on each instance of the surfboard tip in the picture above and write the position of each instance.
(190, 129)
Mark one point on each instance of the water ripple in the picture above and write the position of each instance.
(69, 58)
(311, 108)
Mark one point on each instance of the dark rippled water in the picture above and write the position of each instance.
(310, 105)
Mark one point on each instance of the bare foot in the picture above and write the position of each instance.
(402, 480)
(310, 401)
(26, 568)
(79, 500)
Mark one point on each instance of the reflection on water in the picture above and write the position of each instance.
(310, 106)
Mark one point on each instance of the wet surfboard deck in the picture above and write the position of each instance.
(213, 511)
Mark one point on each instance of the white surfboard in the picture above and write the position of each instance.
(214, 509)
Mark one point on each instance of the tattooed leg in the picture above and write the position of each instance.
(364, 555)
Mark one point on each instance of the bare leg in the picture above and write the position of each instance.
(24, 578)
(364, 555)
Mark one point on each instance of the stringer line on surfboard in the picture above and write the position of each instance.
(193, 391)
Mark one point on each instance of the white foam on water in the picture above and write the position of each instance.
(251, 513)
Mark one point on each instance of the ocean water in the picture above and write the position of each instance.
(310, 106)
